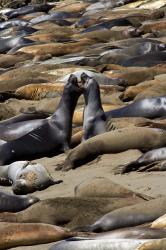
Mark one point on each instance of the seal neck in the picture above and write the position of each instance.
(64, 112)
(92, 97)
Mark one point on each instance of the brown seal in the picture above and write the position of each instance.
(116, 141)
(26, 234)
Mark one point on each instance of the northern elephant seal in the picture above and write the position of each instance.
(93, 116)
(26, 177)
(14, 203)
(26, 234)
(49, 136)
(129, 216)
(117, 141)
(149, 158)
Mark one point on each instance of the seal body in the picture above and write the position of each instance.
(26, 234)
(112, 244)
(129, 216)
(28, 177)
(149, 158)
(14, 203)
(148, 108)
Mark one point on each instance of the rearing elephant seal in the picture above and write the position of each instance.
(26, 177)
(94, 116)
(53, 135)
(14, 203)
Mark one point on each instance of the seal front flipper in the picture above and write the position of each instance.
(126, 168)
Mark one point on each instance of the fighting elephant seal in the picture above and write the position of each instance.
(49, 136)
(14, 203)
(26, 177)
(20, 234)
(117, 141)
(93, 115)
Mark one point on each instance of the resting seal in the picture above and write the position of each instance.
(26, 177)
(20, 234)
(28, 9)
(149, 158)
(49, 136)
(93, 116)
(14, 203)
(149, 108)
(112, 244)
(116, 141)
(129, 216)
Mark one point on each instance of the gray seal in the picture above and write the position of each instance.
(14, 203)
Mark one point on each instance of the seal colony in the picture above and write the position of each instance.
(82, 90)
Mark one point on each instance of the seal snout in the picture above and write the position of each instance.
(20, 187)
(33, 199)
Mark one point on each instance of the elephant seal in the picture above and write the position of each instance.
(149, 158)
(26, 177)
(8, 43)
(147, 60)
(153, 245)
(13, 203)
(132, 233)
(28, 10)
(27, 234)
(12, 23)
(117, 141)
(93, 115)
(107, 25)
(129, 216)
(148, 108)
(106, 244)
(52, 136)
(70, 212)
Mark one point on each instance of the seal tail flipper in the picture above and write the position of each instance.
(56, 182)
(126, 168)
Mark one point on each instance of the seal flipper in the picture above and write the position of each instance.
(122, 169)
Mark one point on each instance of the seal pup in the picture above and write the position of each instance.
(27, 234)
(93, 115)
(149, 158)
(26, 177)
(49, 138)
(13, 203)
